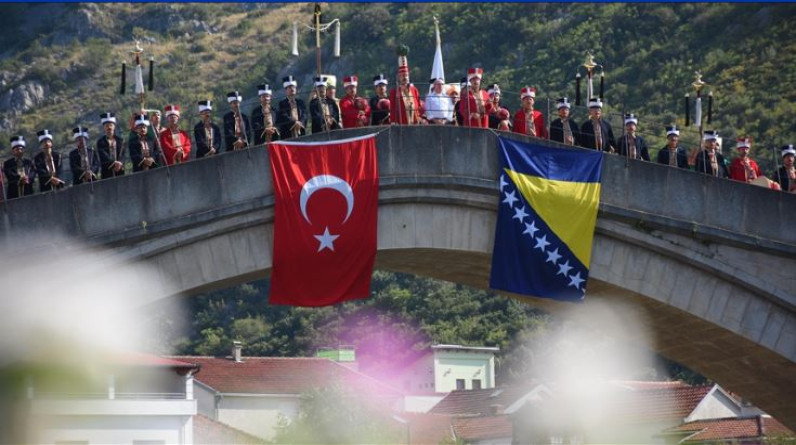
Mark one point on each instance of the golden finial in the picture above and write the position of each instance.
(698, 83)
(589, 64)
(138, 49)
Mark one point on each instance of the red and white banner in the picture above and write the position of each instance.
(327, 196)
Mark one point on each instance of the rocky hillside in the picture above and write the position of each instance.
(61, 68)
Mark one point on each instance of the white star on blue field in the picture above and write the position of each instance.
(555, 254)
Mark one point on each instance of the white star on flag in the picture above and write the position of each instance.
(530, 229)
(575, 280)
(564, 268)
(503, 182)
(541, 243)
(519, 213)
(327, 240)
(511, 198)
(553, 256)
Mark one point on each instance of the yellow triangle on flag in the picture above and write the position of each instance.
(568, 208)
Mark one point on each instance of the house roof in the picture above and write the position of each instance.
(659, 404)
(481, 402)
(427, 428)
(480, 428)
(282, 375)
(207, 431)
(730, 428)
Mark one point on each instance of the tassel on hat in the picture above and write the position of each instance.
(151, 85)
(124, 78)
(687, 110)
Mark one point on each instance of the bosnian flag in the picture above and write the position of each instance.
(326, 201)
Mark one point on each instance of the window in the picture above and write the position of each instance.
(459, 383)
(476, 384)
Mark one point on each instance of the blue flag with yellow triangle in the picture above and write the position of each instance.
(546, 217)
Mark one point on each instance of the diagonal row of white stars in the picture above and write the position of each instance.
(541, 243)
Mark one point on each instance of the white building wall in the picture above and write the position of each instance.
(256, 415)
(716, 405)
(421, 404)
(112, 429)
(205, 400)
(466, 366)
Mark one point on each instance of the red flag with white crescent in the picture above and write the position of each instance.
(326, 202)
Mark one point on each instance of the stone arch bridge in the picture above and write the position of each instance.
(709, 264)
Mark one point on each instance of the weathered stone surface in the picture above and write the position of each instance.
(23, 97)
(709, 286)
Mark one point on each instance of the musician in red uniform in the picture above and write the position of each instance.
(355, 110)
(175, 143)
(743, 168)
(404, 98)
(475, 105)
(527, 120)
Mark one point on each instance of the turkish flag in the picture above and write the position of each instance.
(326, 201)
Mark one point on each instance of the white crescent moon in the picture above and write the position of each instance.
(326, 182)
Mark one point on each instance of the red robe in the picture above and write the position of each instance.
(167, 143)
(350, 113)
(538, 123)
(467, 106)
(398, 111)
(738, 171)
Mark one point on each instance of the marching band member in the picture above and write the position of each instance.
(528, 121)
(673, 154)
(786, 175)
(206, 134)
(292, 117)
(596, 133)
(474, 105)
(110, 148)
(237, 129)
(175, 143)
(743, 168)
(324, 113)
(264, 117)
(83, 160)
(48, 163)
(564, 129)
(18, 170)
(355, 110)
(404, 98)
(710, 161)
(379, 103)
(144, 152)
(633, 145)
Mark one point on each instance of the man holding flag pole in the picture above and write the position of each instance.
(439, 106)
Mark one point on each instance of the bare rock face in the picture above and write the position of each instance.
(22, 97)
(87, 21)
(6, 125)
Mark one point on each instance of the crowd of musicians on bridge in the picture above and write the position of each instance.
(150, 145)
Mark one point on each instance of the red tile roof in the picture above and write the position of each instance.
(480, 428)
(282, 375)
(427, 428)
(659, 404)
(207, 431)
(480, 402)
(732, 428)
